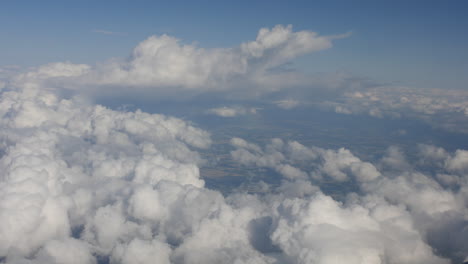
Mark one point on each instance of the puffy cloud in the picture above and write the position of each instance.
(458, 162)
(436, 156)
(393, 203)
(81, 183)
(68, 166)
(68, 251)
(85, 184)
(286, 158)
(272, 157)
(336, 163)
(432, 153)
(165, 67)
(285, 44)
(142, 252)
(394, 159)
(163, 61)
(321, 230)
(442, 108)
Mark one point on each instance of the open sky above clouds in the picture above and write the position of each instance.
(420, 43)
(307, 132)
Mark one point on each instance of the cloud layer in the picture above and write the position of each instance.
(447, 109)
(81, 183)
(85, 184)
(165, 68)
(398, 214)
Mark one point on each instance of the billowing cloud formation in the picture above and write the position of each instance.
(287, 157)
(81, 183)
(163, 65)
(69, 168)
(85, 184)
(398, 215)
(164, 61)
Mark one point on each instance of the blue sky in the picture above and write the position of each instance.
(415, 43)
(120, 144)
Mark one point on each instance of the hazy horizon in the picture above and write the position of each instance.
(249, 132)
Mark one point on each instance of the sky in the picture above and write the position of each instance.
(256, 132)
(418, 43)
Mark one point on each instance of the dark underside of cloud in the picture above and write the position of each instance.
(85, 183)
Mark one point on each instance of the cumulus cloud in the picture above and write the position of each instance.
(288, 157)
(442, 108)
(85, 184)
(395, 203)
(163, 61)
(81, 183)
(165, 66)
(68, 168)
(437, 156)
(458, 162)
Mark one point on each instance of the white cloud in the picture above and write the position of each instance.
(287, 104)
(442, 108)
(342, 110)
(459, 162)
(164, 65)
(431, 154)
(286, 157)
(142, 252)
(397, 203)
(65, 165)
(77, 252)
(437, 156)
(321, 230)
(394, 159)
(80, 181)
(164, 61)
(37, 77)
(231, 111)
